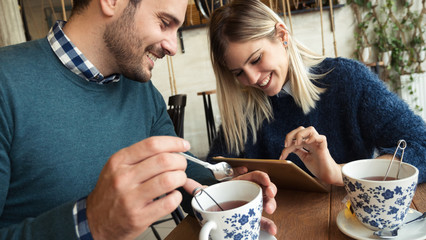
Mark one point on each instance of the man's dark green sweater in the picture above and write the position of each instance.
(57, 131)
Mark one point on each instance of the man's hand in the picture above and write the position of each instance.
(122, 204)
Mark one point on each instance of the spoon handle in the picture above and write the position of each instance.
(417, 218)
(196, 160)
(385, 234)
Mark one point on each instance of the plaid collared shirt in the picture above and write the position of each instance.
(73, 59)
(80, 220)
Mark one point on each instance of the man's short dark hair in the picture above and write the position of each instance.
(80, 5)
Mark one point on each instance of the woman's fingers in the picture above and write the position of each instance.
(238, 171)
(305, 139)
(291, 137)
(268, 225)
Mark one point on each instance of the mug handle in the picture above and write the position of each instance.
(205, 230)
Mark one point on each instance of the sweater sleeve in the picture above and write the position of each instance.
(384, 119)
(57, 223)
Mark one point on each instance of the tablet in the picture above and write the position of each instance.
(283, 173)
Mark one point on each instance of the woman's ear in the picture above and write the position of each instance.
(281, 33)
(108, 7)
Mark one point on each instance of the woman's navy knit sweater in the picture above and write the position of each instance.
(357, 114)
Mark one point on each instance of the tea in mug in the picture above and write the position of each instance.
(226, 206)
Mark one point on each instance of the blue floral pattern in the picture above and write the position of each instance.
(236, 222)
(372, 207)
(241, 226)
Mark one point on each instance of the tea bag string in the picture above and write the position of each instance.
(404, 145)
(198, 191)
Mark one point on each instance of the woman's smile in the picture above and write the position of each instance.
(265, 82)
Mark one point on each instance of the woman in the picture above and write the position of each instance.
(275, 94)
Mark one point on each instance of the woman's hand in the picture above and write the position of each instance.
(312, 149)
(269, 191)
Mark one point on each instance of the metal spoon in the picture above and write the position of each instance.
(394, 233)
(222, 171)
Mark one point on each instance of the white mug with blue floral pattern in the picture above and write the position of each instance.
(380, 204)
(241, 221)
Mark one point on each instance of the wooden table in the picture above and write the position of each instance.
(301, 215)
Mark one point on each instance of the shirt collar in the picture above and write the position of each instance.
(73, 58)
(286, 90)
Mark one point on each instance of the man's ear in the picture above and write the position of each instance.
(108, 7)
(281, 32)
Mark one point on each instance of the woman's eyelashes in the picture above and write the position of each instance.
(257, 59)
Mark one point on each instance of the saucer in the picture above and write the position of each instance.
(266, 236)
(353, 228)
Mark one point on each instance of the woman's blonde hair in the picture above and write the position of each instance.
(243, 109)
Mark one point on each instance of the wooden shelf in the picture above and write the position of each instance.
(206, 92)
(375, 64)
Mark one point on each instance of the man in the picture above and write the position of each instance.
(85, 140)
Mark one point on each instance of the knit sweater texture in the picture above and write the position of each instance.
(57, 131)
(358, 115)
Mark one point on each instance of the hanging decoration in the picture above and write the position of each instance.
(333, 27)
(296, 4)
(51, 7)
(289, 16)
(172, 78)
(191, 22)
(322, 28)
(283, 5)
(206, 7)
(64, 13)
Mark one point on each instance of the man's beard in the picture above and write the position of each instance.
(126, 46)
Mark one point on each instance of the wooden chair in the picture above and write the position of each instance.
(208, 111)
(176, 111)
